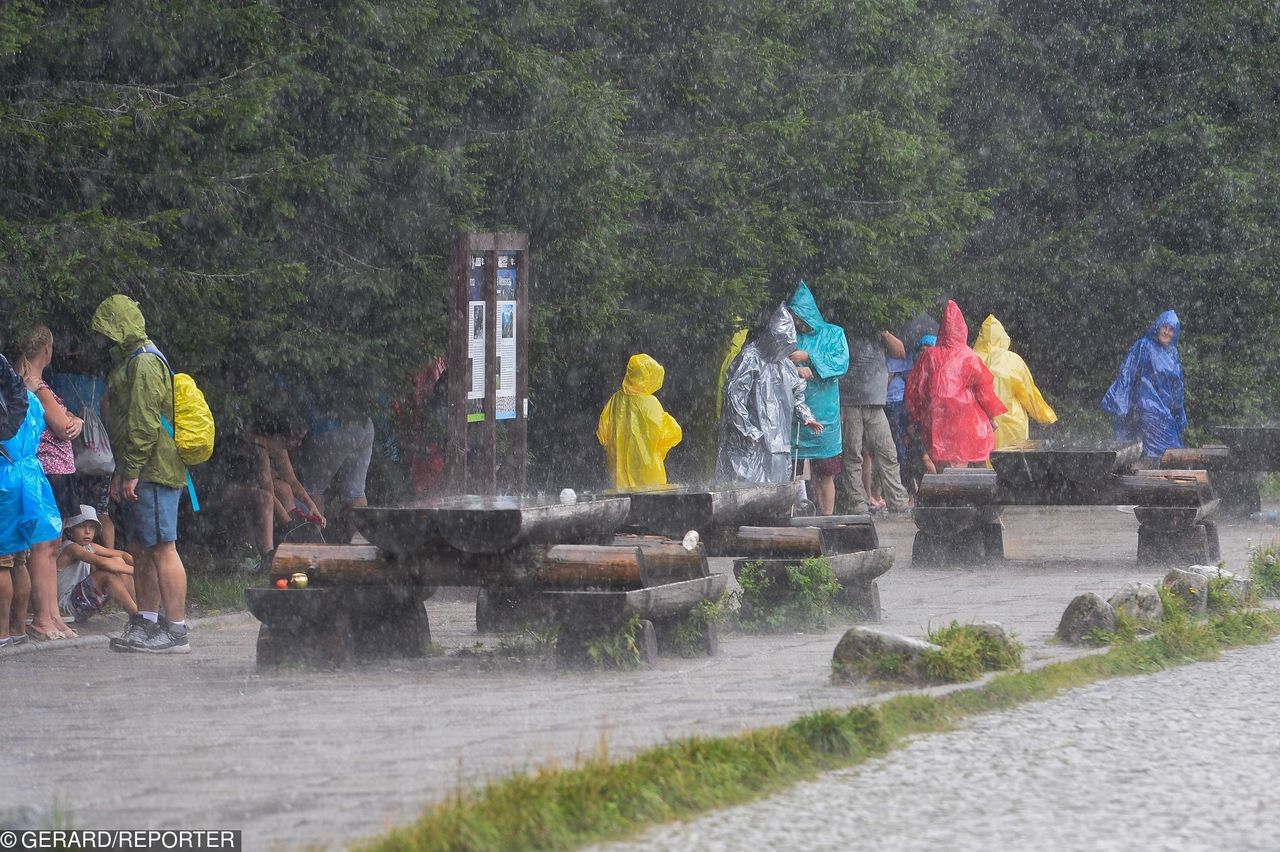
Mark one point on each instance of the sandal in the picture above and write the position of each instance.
(67, 633)
(42, 636)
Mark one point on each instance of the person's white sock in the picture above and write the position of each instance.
(153, 617)
(182, 623)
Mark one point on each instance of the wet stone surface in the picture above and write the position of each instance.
(1184, 759)
(302, 757)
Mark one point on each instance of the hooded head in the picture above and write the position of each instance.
(644, 376)
(779, 338)
(805, 307)
(992, 338)
(1169, 318)
(119, 319)
(954, 331)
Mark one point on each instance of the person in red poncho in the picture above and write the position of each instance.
(951, 394)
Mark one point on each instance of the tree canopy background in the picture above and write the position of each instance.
(277, 185)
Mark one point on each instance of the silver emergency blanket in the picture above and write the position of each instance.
(762, 393)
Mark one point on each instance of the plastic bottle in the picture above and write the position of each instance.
(1270, 516)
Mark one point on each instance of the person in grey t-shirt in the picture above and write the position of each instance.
(864, 424)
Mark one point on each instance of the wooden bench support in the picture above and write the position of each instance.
(1188, 546)
(327, 627)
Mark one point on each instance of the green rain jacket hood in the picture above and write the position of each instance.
(139, 394)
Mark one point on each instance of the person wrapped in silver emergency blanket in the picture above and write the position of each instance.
(762, 394)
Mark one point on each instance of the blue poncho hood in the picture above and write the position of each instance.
(829, 359)
(1147, 398)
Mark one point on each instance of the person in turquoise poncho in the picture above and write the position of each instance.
(822, 356)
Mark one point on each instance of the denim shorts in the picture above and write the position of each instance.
(153, 519)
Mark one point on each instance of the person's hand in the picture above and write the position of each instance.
(805, 373)
(113, 490)
(815, 426)
(799, 356)
(129, 490)
(74, 427)
(318, 519)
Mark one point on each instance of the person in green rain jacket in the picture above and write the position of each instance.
(149, 476)
(634, 430)
(822, 355)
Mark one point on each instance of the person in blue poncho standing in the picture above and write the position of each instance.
(822, 356)
(28, 513)
(1146, 399)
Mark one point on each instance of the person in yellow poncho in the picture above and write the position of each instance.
(634, 430)
(1013, 384)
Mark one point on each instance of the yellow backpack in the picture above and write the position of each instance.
(192, 429)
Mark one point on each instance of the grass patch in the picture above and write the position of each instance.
(619, 649)
(965, 652)
(688, 637)
(802, 600)
(1264, 568)
(210, 593)
(562, 808)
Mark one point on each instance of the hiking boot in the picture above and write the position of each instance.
(135, 631)
(166, 638)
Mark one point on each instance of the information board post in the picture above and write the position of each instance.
(489, 344)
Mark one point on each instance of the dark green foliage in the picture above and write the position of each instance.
(278, 185)
(1264, 568)
(619, 649)
(805, 601)
(688, 637)
(1132, 149)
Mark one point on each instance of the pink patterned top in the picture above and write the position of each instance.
(56, 456)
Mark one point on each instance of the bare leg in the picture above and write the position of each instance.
(21, 593)
(145, 582)
(823, 491)
(6, 599)
(108, 533)
(172, 579)
(119, 587)
(44, 588)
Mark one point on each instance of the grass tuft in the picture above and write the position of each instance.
(805, 601)
(1264, 568)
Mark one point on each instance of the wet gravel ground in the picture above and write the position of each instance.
(1186, 759)
(298, 757)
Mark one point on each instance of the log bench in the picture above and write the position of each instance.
(958, 511)
(361, 601)
(1234, 473)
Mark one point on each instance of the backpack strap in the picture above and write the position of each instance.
(149, 349)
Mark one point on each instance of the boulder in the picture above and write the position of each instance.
(1088, 612)
(1139, 601)
(1238, 588)
(865, 651)
(1191, 587)
(993, 630)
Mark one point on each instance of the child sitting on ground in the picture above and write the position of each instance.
(90, 575)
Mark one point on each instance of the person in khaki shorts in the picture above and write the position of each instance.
(864, 424)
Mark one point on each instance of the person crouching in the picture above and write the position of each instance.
(91, 575)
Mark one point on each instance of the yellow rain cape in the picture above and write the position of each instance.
(634, 430)
(1014, 385)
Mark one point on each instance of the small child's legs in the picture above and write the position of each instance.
(6, 594)
(21, 594)
(119, 587)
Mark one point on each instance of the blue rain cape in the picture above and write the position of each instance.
(1146, 399)
(28, 513)
(829, 359)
